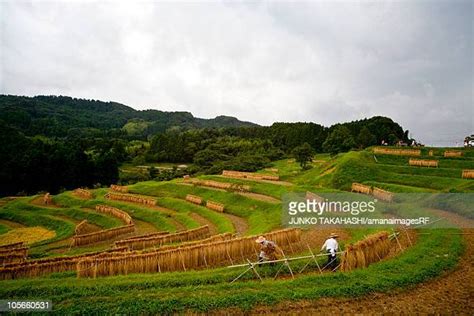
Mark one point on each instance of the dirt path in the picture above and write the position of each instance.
(241, 226)
(451, 293)
(260, 197)
(204, 221)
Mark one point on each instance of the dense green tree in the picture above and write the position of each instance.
(303, 154)
(366, 138)
(340, 140)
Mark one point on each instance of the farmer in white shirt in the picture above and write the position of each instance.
(331, 246)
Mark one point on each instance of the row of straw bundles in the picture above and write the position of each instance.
(361, 188)
(83, 193)
(81, 228)
(194, 199)
(115, 212)
(249, 175)
(106, 234)
(13, 255)
(155, 241)
(398, 152)
(20, 244)
(214, 238)
(118, 188)
(215, 206)
(12, 258)
(468, 174)
(382, 195)
(146, 236)
(364, 252)
(186, 257)
(453, 153)
(423, 163)
(130, 198)
(218, 185)
(39, 267)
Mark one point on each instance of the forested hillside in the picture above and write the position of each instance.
(60, 116)
(52, 143)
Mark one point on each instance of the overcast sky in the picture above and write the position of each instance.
(324, 62)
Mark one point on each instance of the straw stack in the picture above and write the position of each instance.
(118, 213)
(364, 252)
(156, 241)
(249, 175)
(468, 174)
(47, 199)
(382, 195)
(361, 188)
(219, 185)
(194, 199)
(397, 152)
(86, 239)
(423, 163)
(119, 188)
(40, 267)
(83, 193)
(13, 246)
(130, 198)
(13, 255)
(215, 206)
(452, 153)
(187, 257)
(81, 228)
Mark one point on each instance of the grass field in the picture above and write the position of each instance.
(435, 251)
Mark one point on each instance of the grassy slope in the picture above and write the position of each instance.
(207, 290)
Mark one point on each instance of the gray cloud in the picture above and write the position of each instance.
(325, 62)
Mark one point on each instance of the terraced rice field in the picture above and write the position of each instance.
(431, 265)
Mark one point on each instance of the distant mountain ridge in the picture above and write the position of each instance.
(57, 115)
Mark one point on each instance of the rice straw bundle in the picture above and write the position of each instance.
(86, 239)
(20, 244)
(215, 206)
(147, 235)
(364, 252)
(195, 256)
(158, 240)
(468, 174)
(453, 153)
(130, 198)
(81, 228)
(119, 188)
(249, 175)
(361, 188)
(47, 199)
(382, 194)
(397, 152)
(85, 194)
(219, 185)
(194, 199)
(423, 163)
(34, 268)
(118, 213)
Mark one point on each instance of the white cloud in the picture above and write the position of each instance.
(325, 62)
